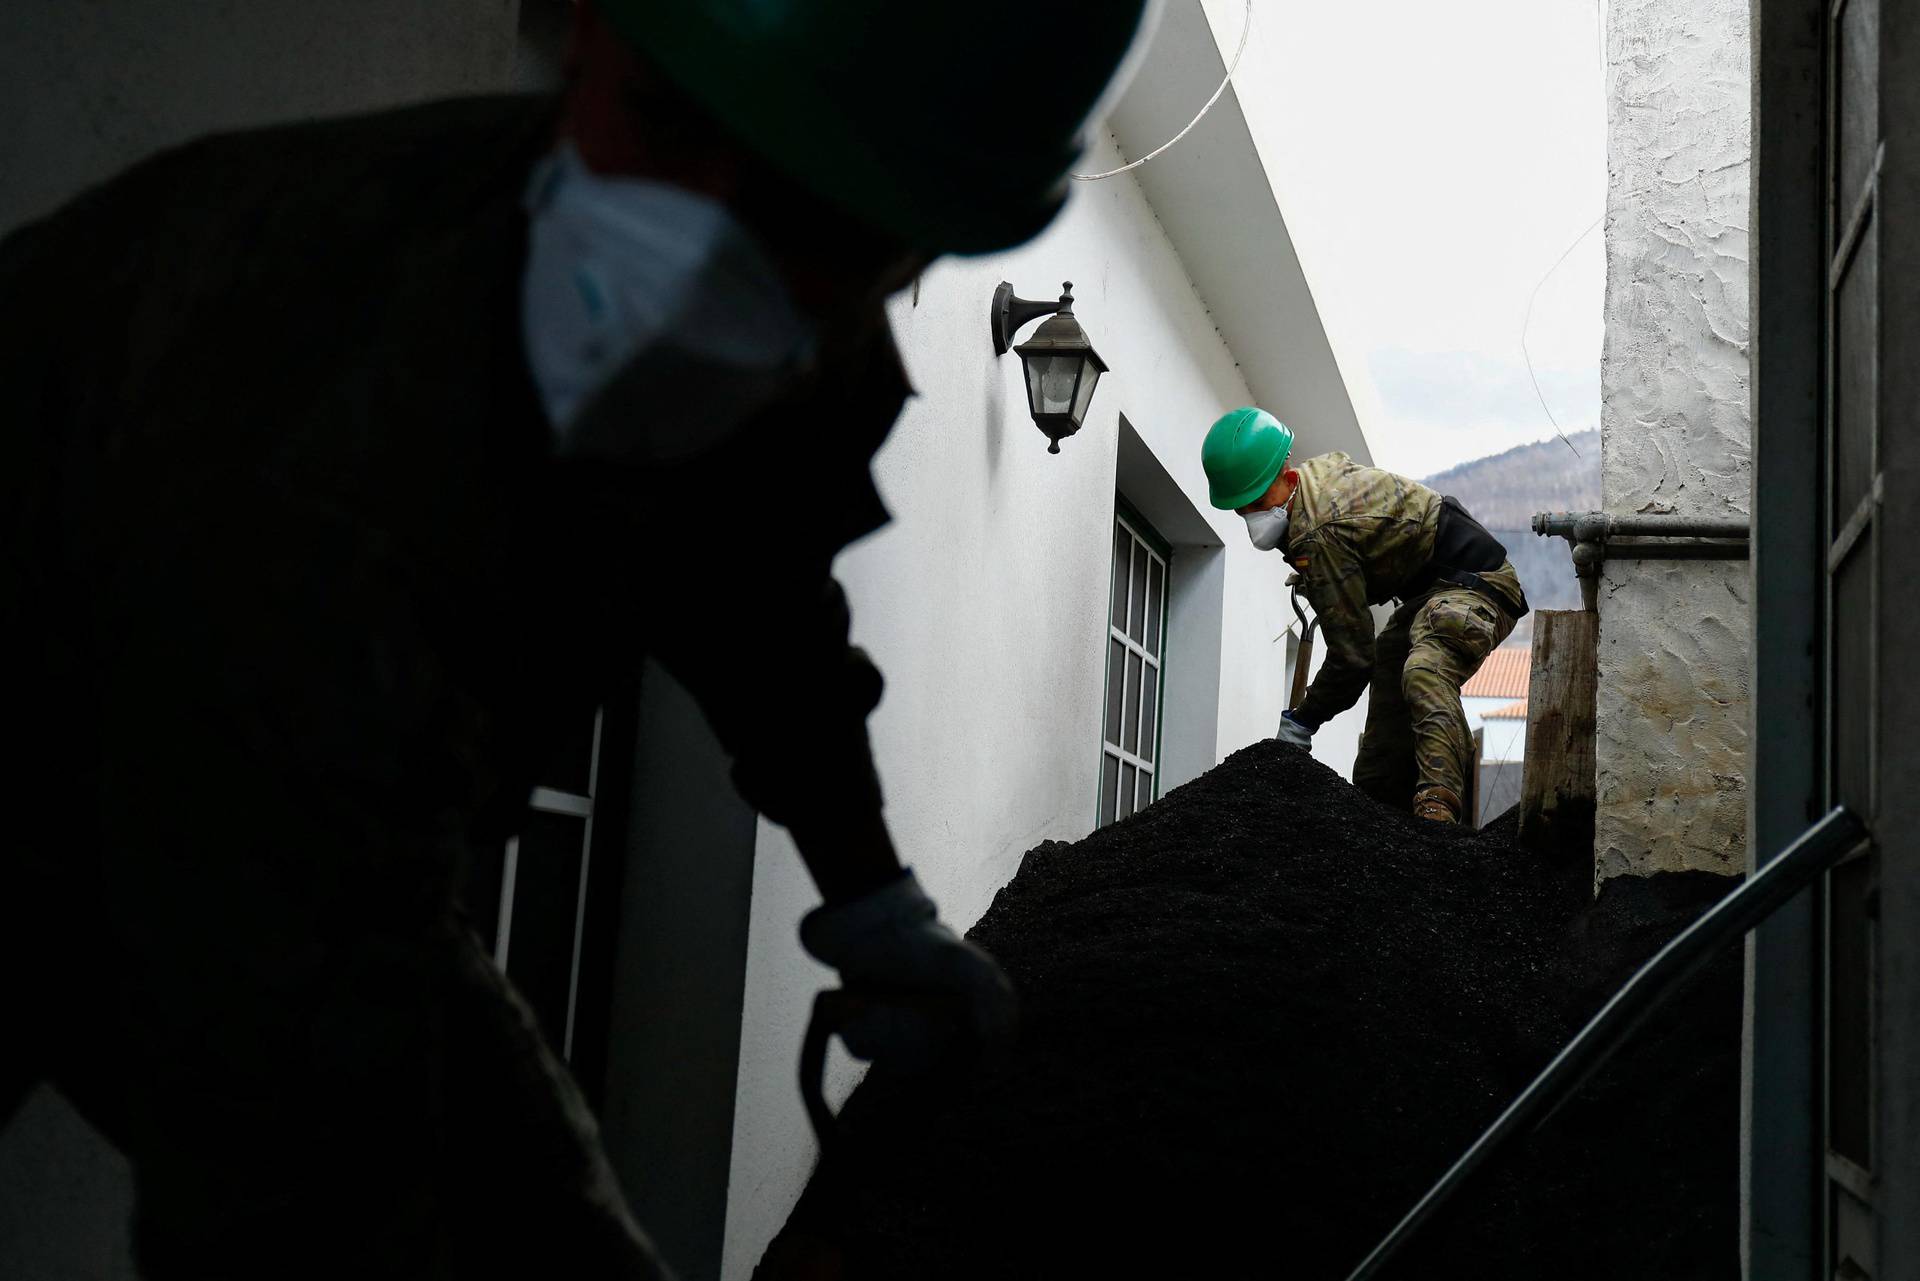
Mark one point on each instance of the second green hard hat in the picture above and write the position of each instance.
(949, 123)
(1243, 452)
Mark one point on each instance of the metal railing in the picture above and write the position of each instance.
(1757, 898)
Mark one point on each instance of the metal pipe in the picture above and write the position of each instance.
(1676, 527)
(1591, 535)
(1689, 550)
(1757, 898)
(1592, 527)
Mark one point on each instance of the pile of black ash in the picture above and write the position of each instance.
(1260, 1018)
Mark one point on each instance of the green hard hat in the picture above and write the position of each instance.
(1244, 450)
(952, 124)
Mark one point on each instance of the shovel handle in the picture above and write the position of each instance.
(1301, 662)
(830, 1011)
(834, 1010)
(1304, 657)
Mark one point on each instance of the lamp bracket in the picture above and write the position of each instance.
(1010, 313)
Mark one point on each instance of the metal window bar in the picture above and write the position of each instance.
(1850, 723)
(1772, 887)
(580, 902)
(503, 930)
(1146, 571)
(549, 800)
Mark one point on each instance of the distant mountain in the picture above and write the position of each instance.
(1504, 490)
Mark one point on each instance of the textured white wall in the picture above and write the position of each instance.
(1675, 435)
(93, 87)
(1503, 740)
(985, 604)
(1336, 743)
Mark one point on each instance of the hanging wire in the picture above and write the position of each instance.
(1600, 33)
(1245, 28)
(1524, 324)
(1499, 772)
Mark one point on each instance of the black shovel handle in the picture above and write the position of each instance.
(1303, 658)
(833, 1011)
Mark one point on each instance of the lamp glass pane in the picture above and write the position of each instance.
(1056, 383)
(1084, 397)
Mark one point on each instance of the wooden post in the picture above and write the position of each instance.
(1558, 786)
(1473, 778)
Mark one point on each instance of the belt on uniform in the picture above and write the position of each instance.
(1435, 576)
(1460, 539)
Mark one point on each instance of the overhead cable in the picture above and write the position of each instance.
(1245, 27)
(1524, 324)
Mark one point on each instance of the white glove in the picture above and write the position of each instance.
(934, 991)
(1294, 732)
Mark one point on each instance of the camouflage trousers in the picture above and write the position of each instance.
(1416, 736)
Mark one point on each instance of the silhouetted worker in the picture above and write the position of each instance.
(1357, 537)
(345, 464)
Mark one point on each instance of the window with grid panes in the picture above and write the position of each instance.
(1136, 652)
(528, 900)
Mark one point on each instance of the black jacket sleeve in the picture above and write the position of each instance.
(750, 618)
(1336, 583)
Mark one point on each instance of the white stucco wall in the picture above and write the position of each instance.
(95, 86)
(1337, 743)
(1675, 435)
(1502, 740)
(985, 603)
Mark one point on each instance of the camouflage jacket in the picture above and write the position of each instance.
(1356, 535)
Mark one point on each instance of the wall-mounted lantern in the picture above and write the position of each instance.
(1062, 367)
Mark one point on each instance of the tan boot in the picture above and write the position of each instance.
(1437, 804)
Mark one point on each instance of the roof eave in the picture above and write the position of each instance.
(1215, 199)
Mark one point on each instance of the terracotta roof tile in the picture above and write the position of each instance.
(1503, 675)
(1511, 712)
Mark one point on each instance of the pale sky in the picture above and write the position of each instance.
(1433, 160)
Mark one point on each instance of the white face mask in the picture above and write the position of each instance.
(1268, 529)
(653, 322)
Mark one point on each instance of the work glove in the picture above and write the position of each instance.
(933, 995)
(1294, 732)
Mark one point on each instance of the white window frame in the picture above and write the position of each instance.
(548, 800)
(1147, 772)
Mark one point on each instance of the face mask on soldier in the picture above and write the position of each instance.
(1268, 529)
(653, 322)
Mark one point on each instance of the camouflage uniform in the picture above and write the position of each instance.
(1358, 535)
